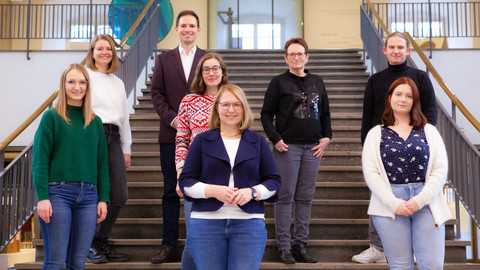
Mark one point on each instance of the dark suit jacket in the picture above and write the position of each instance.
(169, 86)
(208, 162)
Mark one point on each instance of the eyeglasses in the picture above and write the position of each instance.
(300, 55)
(226, 106)
(82, 84)
(215, 69)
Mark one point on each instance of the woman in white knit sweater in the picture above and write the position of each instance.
(405, 166)
(109, 103)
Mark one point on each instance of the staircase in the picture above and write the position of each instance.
(339, 222)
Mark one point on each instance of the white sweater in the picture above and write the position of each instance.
(109, 103)
(383, 202)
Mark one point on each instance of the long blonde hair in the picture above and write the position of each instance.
(61, 104)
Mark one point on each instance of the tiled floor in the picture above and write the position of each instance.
(25, 255)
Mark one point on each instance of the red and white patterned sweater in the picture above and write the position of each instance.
(193, 115)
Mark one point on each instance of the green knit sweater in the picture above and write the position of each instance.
(65, 152)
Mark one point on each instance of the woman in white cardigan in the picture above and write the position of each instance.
(405, 166)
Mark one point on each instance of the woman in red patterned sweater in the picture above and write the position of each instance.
(193, 114)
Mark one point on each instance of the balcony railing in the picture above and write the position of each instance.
(432, 19)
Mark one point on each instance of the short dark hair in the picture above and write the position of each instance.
(417, 119)
(185, 13)
(300, 41)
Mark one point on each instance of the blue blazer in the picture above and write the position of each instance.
(207, 161)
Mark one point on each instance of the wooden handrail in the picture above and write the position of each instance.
(375, 13)
(32, 117)
(50, 100)
(432, 70)
(135, 25)
(442, 83)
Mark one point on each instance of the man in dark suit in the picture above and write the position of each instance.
(173, 73)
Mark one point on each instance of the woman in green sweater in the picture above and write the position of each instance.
(70, 173)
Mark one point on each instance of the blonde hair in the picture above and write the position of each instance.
(247, 119)
(113, 65)
(61, 104)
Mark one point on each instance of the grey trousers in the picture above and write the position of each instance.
(299, 170)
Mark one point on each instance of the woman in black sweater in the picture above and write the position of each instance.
(302, 131)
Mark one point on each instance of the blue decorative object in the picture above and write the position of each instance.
(123, 13)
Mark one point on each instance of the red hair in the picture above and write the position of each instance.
(417, 119)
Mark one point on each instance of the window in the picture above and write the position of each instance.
(256, 36)
(80, 33)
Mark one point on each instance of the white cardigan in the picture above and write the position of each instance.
(383, 202)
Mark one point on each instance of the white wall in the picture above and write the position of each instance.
(26, 84)
(459, 70)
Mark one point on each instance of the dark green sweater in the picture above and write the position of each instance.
(65, 152)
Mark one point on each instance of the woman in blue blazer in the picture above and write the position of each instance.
(228, 173)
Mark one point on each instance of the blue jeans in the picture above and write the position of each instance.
(233, 244)
(299, 170)
(408, 235)
(68, 236)
(187, 258)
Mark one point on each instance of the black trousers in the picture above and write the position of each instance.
(118, 181)
(170, 199)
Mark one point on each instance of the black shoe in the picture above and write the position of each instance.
(299, 252)
(111, 255)
(95, 254)
(286, 256)
(166, 254)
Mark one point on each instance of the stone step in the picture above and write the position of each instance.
(338, 119)
(265, 265)
(337, 144)
(325, 173)
(150, 158)
(152, 208)
(338, 82)
(258, 99)
(324, 250)
(319, 67)
(331, 90)
(335, 107)
(326, 76)
(325, 190)
(357, 229)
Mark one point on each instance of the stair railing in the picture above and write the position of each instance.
(464, 158)
(17, 196)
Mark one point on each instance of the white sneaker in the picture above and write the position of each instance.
(370, 255)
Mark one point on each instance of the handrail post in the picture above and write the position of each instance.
(454, 112)
(430, 25)
(2, 160)
(28, 29)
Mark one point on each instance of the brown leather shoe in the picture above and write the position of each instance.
(166, 254)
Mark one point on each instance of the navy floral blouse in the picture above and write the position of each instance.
(405, 161)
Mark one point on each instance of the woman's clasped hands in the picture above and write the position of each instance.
(407, 208)
(230, 195)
